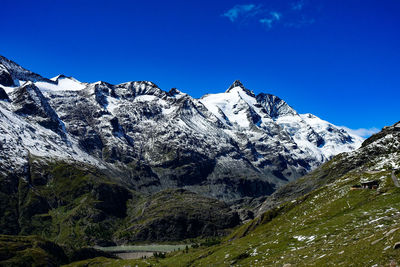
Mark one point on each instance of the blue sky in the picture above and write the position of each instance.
(337, 59)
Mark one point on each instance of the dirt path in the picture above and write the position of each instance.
(395, 181)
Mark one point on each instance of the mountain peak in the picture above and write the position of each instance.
(60, 76)
(239, 84)
(174, 92)
(236, 83)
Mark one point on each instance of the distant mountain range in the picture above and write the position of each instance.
(226, 146)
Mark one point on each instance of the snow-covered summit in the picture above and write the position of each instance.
(238, 86)
(240, 108)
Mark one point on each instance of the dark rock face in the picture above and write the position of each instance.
(247, 187)
(3, 95)
(112, 199)
(9, 205)
(188, 168)
(275, 106)
(29, 101)
(5, 77)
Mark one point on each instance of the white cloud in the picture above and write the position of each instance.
(291, 14)
(241, 11)
(363, 132)
(273, 17)
(276, 15)
(267, 22)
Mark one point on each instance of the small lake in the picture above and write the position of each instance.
(139, 251)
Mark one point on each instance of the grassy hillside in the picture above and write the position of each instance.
(76, 205)
(30, 251)
(70, 204)
(333, 225)
(36, 251)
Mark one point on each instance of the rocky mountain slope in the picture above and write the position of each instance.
(323, 219)
(177, 214)
(227, 146)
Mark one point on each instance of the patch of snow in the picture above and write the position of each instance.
(62, 84)
(254, 252)
(304, 238)
(146, 98)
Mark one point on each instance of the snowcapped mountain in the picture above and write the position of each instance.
(226, 145)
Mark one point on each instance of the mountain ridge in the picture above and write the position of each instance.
(215, 145)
